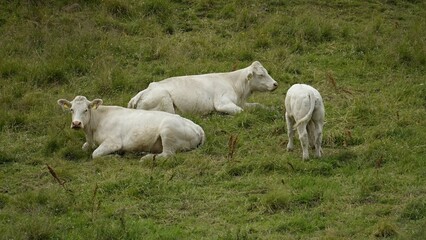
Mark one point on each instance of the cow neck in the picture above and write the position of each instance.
(91, 126)
(242, 85)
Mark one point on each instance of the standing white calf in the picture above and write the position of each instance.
(304, 112)
(112, 128)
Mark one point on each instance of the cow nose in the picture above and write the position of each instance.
(76, 124)
(275, 84)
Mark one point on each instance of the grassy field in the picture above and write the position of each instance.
(367, 58)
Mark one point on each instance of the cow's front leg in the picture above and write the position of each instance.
(86, 146)
(107, 147)
(228, 107)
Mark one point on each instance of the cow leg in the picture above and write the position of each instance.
(311, 134)
(107, 147)
(86, 146)
(304, 140)
(163, 154)
(157, 99)
(318, 138)
(226, 106)
(290, 131)
(167, 145)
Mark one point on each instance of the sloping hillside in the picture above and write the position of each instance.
(367, 58)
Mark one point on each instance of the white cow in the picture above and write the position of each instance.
(203, 94)
(114, 128)
(304, 112)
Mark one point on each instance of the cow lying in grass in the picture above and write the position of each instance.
(304, 112)
(203, 94)
(113, 128)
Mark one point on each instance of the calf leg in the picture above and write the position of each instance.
(304, 140)
(318, 138)
(290, 131)
(106, 148)
(311, 134)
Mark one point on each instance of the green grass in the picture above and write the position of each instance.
(367, 58)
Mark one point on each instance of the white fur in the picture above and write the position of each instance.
(203, 94)
(113, 128)
(305, 112)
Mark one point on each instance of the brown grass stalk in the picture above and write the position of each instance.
(232, 145)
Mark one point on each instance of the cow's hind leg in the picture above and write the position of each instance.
(304, 140)
(290, 131)
(107, 147)
(167, 143)
(311, 134)
(157, 99)
(318, 138)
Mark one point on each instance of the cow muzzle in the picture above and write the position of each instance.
(274, 86)
(76, 125)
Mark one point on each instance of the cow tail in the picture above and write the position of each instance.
(133, 103)
(308, 116)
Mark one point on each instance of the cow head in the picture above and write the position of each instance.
(259, 79)
(80, 109)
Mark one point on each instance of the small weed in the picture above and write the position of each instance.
(232, 145)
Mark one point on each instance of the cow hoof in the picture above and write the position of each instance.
(146, 157)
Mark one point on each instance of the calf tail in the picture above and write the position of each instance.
(308, 116)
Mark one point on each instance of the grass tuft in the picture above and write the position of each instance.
(415, 210)
(385, 230)
(119, 9)
(276, 201)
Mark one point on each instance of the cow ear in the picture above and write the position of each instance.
(249, 76)
(65, 104)
(95, 103)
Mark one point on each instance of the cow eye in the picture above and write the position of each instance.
(71, 110)
(85, 111)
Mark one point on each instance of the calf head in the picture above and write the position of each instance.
(80, 109)
(259, 79)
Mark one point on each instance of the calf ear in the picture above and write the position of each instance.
(65, 104)
(95, 103)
